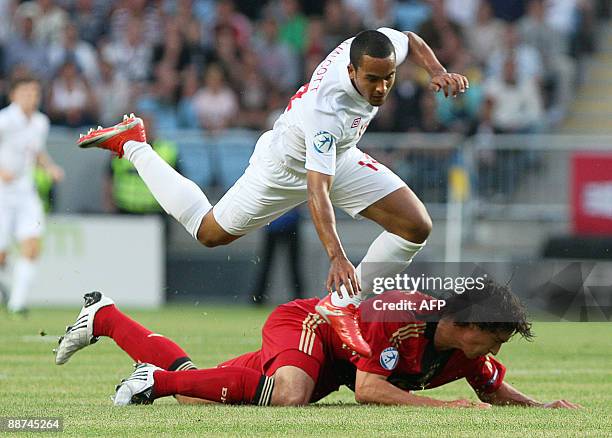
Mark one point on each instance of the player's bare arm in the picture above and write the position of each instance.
(341, 271)
(508, 395)
(421, 54)
(371, 388)
(44, 160)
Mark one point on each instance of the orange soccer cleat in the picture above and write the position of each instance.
(344, 322)
(113, 138)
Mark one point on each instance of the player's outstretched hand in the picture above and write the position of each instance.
(57, 173)
(451, 83)
(342, 272)
(463, 403)
(561, 404)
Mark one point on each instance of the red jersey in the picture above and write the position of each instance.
(401, 342)
(403, 350)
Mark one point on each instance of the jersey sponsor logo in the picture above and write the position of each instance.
(389, 358)
(323, 142)
(356, 122)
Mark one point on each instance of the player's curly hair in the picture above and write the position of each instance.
(493, 308)
(372, 43)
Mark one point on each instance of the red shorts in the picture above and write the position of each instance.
(294, 335)
(290, 336)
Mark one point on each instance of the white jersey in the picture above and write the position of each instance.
(327, 116)
(21, 140)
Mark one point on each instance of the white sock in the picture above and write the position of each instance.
(23, 274)
(178, 196)
(387, 256)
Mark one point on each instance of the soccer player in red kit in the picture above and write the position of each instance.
(302, 359)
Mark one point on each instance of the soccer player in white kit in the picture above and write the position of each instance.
(311, 155)
(23, 136)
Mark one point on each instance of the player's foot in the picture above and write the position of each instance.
(138, 388)
(344, 322)
(18, 314)
(113, 138)
(80, 334)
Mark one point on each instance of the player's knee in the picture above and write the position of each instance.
(209, 241)
(418, 230)
(289, 397)
(289, 392)
(422, 229)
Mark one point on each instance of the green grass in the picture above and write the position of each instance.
(567, 360)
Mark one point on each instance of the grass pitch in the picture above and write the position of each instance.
(567, 360)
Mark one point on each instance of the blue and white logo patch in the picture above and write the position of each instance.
(389, 358)
(323, 142)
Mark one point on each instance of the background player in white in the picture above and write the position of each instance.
(311, 155)
(23, 135)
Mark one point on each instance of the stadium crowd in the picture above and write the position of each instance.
(218, 64)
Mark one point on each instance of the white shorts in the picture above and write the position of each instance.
(21, 217)
(268, 188)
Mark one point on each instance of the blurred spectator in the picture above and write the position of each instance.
(463, 12)
(71, 48)
(380, 13)
(336, 24)
(408, 92)
(71, 100)
(315, 40)
(146, 13)
(112, 94)
(198, 53)
(216, 104)
(253, 94)
(89, 17)
(528, 60)
(484, 37)
(559, 70)
(429, 121)
(515, 102)
(278, 63)
(49, 19)
(228, 17)
(462, 113)
(438, 31)
(186, 113)
(508, 10)
(131, 54)
(171, 51)
(23, 49)
(293, 26)
(410, 14)
(227, 55)
(160, 98)
(7, 11)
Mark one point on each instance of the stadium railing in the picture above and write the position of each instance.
(522, 177)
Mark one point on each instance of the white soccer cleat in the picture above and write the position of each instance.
(80, 334)
(138, 388)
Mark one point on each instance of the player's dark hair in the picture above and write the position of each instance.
(494, 308)
(372, 43)
(20, 79)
